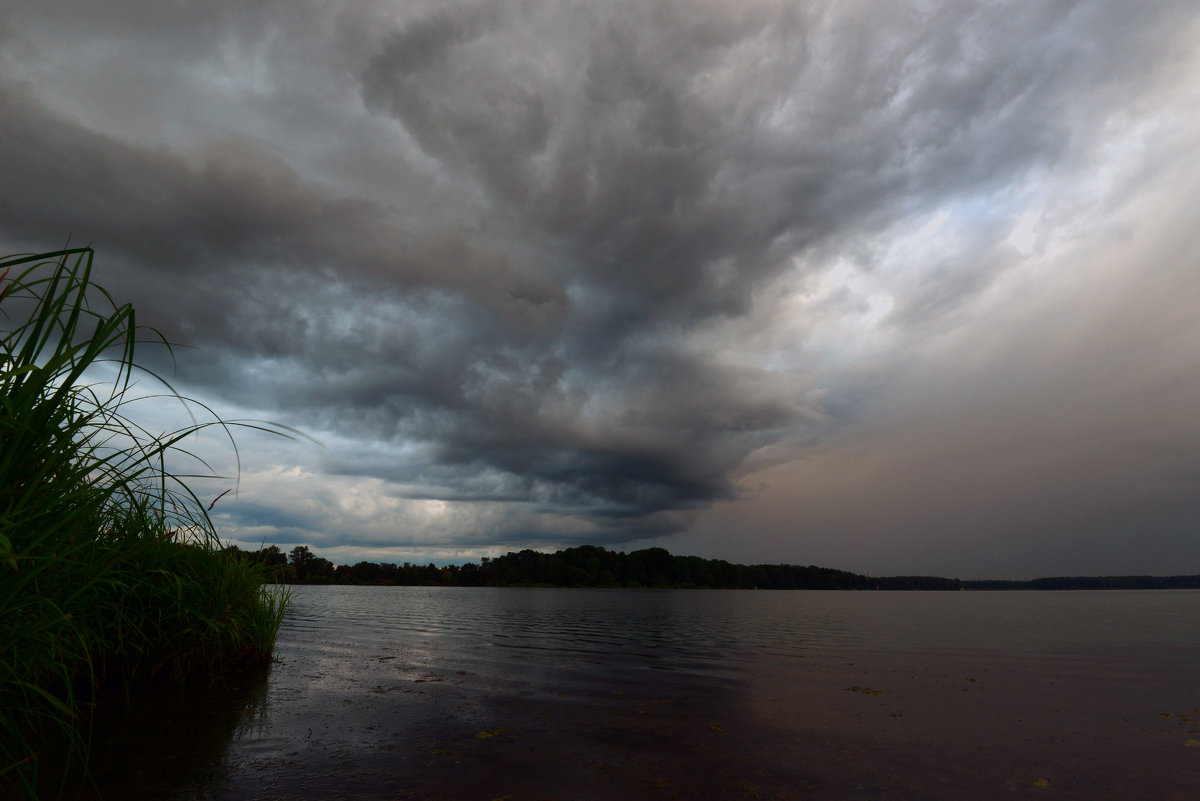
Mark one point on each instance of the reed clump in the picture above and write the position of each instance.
(111, 573)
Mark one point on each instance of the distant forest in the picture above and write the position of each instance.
(592, 566)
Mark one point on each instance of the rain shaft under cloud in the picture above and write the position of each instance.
(542, 274)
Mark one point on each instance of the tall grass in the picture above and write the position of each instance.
(111, 573)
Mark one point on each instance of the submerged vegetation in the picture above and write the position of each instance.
(111, 573)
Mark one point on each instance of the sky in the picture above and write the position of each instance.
(890, 286)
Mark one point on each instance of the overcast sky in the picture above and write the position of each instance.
(892, 287)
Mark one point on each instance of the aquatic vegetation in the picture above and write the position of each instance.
(111, 573)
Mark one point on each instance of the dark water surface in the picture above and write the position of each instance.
(458, 693)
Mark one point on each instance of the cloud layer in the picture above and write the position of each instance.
(543, 274)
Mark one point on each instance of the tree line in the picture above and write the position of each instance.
(593, 566)
(582, 566)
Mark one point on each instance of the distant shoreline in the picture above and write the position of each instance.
(589, 566)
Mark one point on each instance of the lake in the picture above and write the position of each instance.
(482, 693)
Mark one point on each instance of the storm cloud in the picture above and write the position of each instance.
(732, 277)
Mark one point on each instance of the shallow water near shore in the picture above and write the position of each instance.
(465, 693)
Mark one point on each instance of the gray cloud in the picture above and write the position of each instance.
(577, 268)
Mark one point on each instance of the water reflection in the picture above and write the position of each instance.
(171, 742)
(384, 693)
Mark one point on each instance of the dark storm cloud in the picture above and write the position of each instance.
(243, 250)
(614, 138)
(522, 253)
(239, 216)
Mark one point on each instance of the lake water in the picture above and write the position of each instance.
(461, 693)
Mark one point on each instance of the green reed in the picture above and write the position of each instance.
(111, 573)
